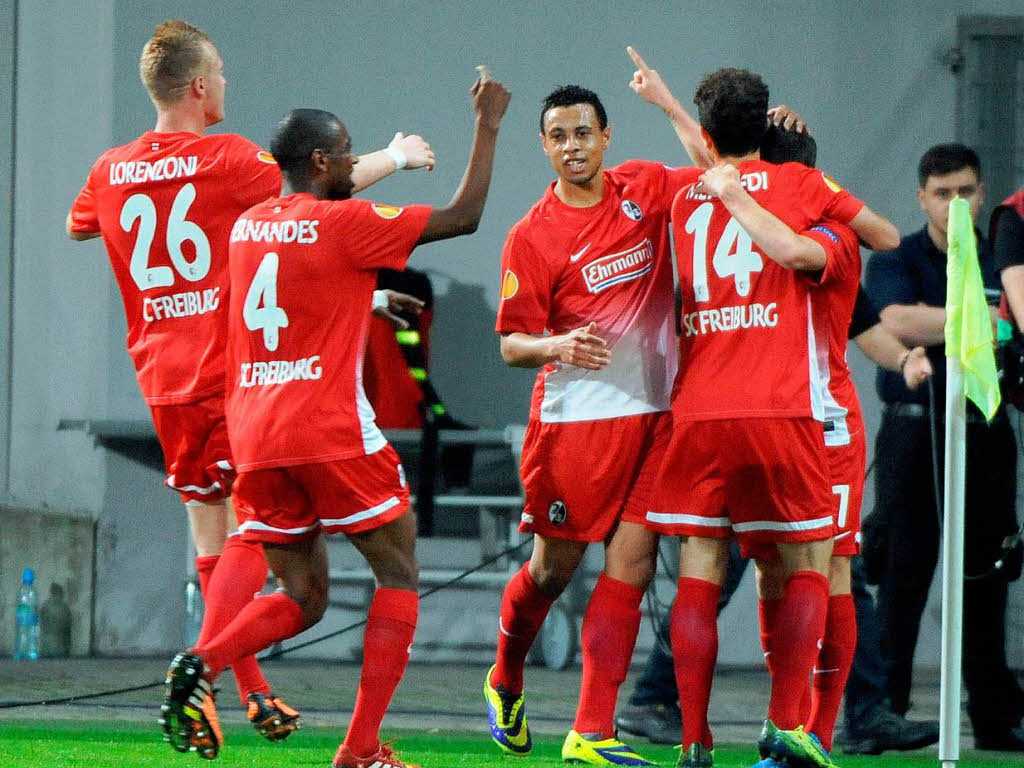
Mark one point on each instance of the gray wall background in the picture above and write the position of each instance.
(867, 77)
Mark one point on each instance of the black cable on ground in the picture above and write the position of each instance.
(276, 654)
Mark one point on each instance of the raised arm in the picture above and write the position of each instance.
(773, 237)
(408, 152)
(649, 86)
(579, 347)
(462, 215)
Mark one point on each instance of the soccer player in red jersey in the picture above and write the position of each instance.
(747, 455)
(164, 204)
(311, 461)
(590, 264)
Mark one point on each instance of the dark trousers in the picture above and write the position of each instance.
(866, 687)
(903, 539)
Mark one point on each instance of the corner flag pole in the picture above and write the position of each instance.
(952, 563)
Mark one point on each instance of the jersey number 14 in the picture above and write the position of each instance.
(734, 256)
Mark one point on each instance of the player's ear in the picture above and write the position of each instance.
(920, 198)
(709, 143)
(606, 132)
(198, 86)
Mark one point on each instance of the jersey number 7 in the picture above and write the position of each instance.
(734, 254)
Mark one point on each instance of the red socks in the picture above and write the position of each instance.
(767, 610)
(390, 626)
(610, 627)
(694, 630)
(799, 625)
(241, 573)
(523, 609)
(261, 623)
(833, 667)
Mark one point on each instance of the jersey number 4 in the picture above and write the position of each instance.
(734, 256)
(269, 318)
(140, 207)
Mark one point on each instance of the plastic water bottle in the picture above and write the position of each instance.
(26, 618)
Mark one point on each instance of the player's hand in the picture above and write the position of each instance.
(719, 180)
(398, 302)
(787, 119)
(647, 83)
(581, 348)
(917, 369)
(490, 98)
(418, 153)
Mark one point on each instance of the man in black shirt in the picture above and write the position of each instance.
(1007, 233)
(901, 538)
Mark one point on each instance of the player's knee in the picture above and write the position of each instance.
(402, 576)
(637, 572)
(550, 578)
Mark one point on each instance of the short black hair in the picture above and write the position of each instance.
(299, 133)
(566, 96)
(732, 105)
(782, 146)
(947, 158)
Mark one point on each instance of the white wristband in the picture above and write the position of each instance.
(398, 156)
(380, 301)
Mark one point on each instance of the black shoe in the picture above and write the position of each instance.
(883, 730)
(1011, 740)
(661, 723)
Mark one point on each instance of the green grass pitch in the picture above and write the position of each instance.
(65, 744)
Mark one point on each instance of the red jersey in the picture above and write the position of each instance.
(610, 263)
(303, 272)
(832, 309)
(164, 204)
(748, 345)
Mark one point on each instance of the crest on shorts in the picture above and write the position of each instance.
(557, 512)
(632, 210)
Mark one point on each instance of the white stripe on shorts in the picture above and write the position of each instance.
(772, 525)
(679, 518)
(256, 525)
(192, 488)
(366, 514)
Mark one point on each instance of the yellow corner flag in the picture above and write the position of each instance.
(968, 322)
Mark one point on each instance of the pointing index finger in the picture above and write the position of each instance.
(483, 71)
(637, 58)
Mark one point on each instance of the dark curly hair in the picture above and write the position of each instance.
(566, 96)
(732, 105)
(782, 146)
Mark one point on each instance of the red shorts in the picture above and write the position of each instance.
(764, 480)
(284, 505)
(197, 454)
(846, 465)
(582, 477)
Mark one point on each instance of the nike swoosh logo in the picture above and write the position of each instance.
(817, 671)
(579, 254)
(505, 632)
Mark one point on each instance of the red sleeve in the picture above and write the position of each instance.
(85, 216)
(255, 174)
(665, 180)
(525, 288)
(380, 236)
(842, 251)
(821, 198)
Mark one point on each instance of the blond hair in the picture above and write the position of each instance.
(174, 56)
